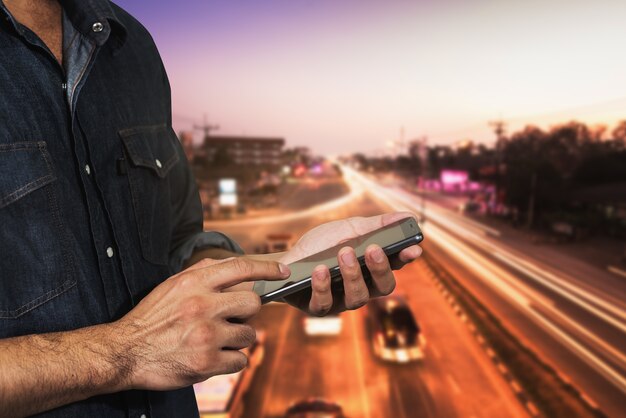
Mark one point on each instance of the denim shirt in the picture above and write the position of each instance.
(97, 202)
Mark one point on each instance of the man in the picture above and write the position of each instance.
(99, 214)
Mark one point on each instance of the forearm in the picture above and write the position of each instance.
(42, 372)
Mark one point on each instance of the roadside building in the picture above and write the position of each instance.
(242, 150)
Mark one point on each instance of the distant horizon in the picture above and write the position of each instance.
(351, 76)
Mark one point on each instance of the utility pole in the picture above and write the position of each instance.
(423, 155)
(206, 128)
(531, 200)
(499, 128)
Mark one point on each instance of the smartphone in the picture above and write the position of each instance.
(392, 239)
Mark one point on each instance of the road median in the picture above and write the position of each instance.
(543, 391)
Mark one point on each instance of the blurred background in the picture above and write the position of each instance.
(502, 124)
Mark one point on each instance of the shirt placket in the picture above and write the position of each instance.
(115, 287)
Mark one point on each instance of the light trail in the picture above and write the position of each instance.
(502, 281)
(519, 266)
(354, 193)
(565, 289)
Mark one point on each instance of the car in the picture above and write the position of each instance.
(395, 333)
(328, 325)
(315, 408)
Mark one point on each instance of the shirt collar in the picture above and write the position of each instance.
(95, 19)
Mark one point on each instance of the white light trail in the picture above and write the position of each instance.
(506, 284)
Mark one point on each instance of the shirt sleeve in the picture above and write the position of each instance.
(199, 241)
(188, 234)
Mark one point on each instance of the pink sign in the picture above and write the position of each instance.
(454, 177)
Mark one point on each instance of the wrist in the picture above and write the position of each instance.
(119, 356)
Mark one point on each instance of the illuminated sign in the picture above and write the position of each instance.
(228, 186)
(452, 177)
(228, 192)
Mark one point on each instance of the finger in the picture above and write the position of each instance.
(237, 270)
(236, 336)
(241, 305)
(383, 281)
(321, 296)
(204, 263)
(356, 293)
(230, 361)
(410, 253)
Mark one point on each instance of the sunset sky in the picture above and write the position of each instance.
(343, 76)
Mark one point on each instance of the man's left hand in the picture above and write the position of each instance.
(356, 293)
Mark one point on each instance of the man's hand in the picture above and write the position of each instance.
(356, 293)
(187, 329)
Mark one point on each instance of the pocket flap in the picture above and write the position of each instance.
(151, 147)
(24, 167)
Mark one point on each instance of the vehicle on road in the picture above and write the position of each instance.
(396, 335)
(315, 408)
(324, 326)
(221, 396)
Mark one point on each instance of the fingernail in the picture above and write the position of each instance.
(378, 255)
(348, 258)
(284, 269)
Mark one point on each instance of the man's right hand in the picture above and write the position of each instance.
(188, 329)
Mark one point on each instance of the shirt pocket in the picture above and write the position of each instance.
(152, 155)
(35, 262)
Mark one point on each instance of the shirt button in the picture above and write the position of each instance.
(158, 163)
(87, 169)
(109, 252)
(97, 27)
(64, 86)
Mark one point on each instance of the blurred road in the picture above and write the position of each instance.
(455, 379)
(571, 312)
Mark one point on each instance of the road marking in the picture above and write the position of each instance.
(502, 368)
(532, 408)
(590, 401)
(617, 271)
(282, 339)
(453, 383)
(359, 364)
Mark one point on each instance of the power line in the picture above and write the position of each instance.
(206, 127)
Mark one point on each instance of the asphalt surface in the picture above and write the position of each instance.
(455, 379)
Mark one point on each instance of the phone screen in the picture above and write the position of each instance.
(302, 269)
